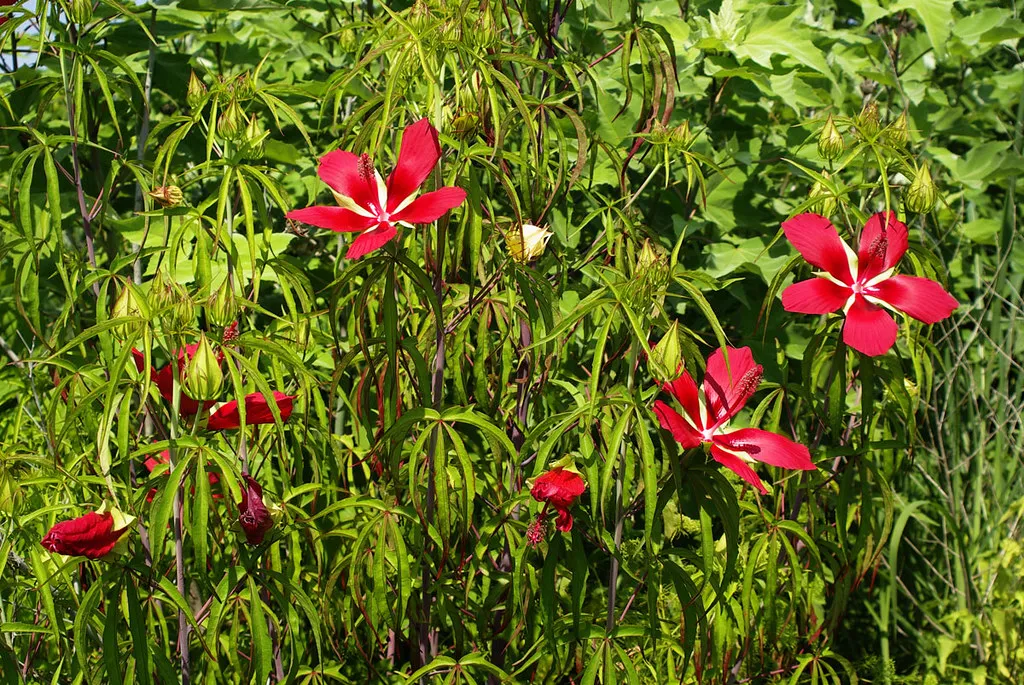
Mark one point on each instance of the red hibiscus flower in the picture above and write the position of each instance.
(92, 536)
(558, 488)
(257, 411)
(862, 283)
(705, 420)
(252, 512)
(163, 378)
(165, 458)
(372, 207)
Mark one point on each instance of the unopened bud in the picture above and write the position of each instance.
(527, 243)
(465, 125)
(196, 94)
(129, 303)
(221, 308)
(231, 125)
(898, 132)
(830, 140)
(182, 313)
(680, 135)
(243, 87)
(203, 375)
(868, 120)
(254, 136)
(161, 295)
(167, 196)
(826, 202)
(922, 193)
(667, 357)
(81, 11)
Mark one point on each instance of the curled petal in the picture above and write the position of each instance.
(921, 298)
(817, 240)
(768, 448)
(869, 328)
(564, 520)
(340, 170)
(738, 466)
(727, 387)
(684, 389)
(91, 536)
(815, 296)
(883, 242)
(253, 515)
(257, 411)
(685, 434)
(337, 219)
(370, 241)
(416, 159)
(431, 206)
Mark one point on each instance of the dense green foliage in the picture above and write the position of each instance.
(663, 143)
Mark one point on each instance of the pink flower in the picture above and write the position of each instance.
(163, 378)
(257, 411)
(705, 420)
(862, 283)
(559, 488)
(252, 512)
(92, 536)
(372, 207)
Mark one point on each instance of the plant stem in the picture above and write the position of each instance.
(613, 571)
(179, 557)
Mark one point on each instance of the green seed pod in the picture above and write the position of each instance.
(203, 375)
(231, 125)
(221, 308)
(830, 140)
(196, 94)
(922, 193)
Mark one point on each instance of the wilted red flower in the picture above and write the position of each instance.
(705, 420)
(252, 512)
(163, 378)
(559, 488)
(230, 332)
(165, 458)
(257, 411)
(862, 283)
(372, 207)
(91, 536)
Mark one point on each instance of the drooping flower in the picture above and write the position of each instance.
(706, 416)
(372, 207)
(257, 411)
(527, 243)
(163, 378)
(152, 463)
(559, 488)
(93, 535)
(862, 284)
(253, 515)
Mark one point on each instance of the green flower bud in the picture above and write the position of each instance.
(830, 140)
(167, 196)
(827, 202)
(680, 135)
(231, 125)
(182, 313)
(254, 136)
(130, 303)
(80, 11)
(196, 94)
(203, 375)
(666, 356)
(465, 125)
(868, 120)
(922, 193)
(898, 132)
(243, 87)
(161, 295)
(221, 308)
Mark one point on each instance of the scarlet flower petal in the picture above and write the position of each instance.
(564, 520)
(252, 512)
(815, 296)
(738, 466)
(558, 487)
(768, 448)
(370, 241)
(138, 356)
(431, 206)
(817, 240)
(869, 328)
(728, 387)
(882, 229)
(685, 434)
(340, 170)
(684, 389)
(416, 159)
(91, 536)
(921, 298)
(257, 411)
(337, 219)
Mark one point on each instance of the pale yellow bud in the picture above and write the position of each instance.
(526, 244)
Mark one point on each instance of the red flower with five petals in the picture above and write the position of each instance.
(257, 411)
(705, 420)
(559, 488)
(862, 284)
(373, 207)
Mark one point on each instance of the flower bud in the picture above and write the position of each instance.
(922, 193)
(182, 313)
(254, 136)
(161, 294)
(830, 140)
(203, 375)
(130, 303)
(231, 125)
(196, 94)
(80, 11)
(527, 243)
(667, 357)
(680, 135)
(243, 87)
(167, 196)
(221, 308)
(465, 125)
(898, 132)
(827, 203)
(254, 517)
(868, 120)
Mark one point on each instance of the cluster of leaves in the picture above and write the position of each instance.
(156, 149)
